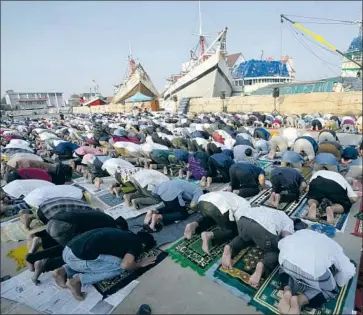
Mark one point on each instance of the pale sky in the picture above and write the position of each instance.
(62, 46)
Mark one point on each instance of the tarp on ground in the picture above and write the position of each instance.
(138, 97)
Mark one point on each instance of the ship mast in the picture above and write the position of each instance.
(201, 36)
(132, 62)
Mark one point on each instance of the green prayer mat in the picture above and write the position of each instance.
(267, 299)
(76, 175)
(359, 216)
(288, 207)
(244, 265)
(8, 215)
(189, 253)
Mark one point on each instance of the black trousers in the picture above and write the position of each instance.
(252, 233)
(211, 216)
(218, 173)
(52, 251)
(172, 211)
(245, 182)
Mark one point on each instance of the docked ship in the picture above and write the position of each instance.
(206, 74)
(135, 81)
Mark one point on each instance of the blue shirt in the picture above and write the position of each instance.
(222, 159)
(326, 159)
(262, 131)
(181, 155)
(253, 169)
(286, 177)
(65, 146)
(350, 153)
(180, 189)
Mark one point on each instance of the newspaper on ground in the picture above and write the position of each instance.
(48, 298)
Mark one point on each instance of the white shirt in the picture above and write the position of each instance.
(339, 179)
(291, 134)
(36, 197)
(201, 141)
(111, 165)
(149, 178)
(315, 253)
(23, 187)
(275, 221)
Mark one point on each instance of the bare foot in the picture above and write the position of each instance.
(284, 304)
(30, 266)
(295, 307)
(312, 211)
(209, 181)
(229, 189)
(134, 204)
(271, 201)
(203, 182)
(155, 219)
(206, 237)
(227, 257)
(75, 286)
(29, 239)
(116, 191)
(98, 183)
(256, 276)
(148, 216)
(127, 200)
(26, 219)
(329, 215)
(60, 277)
(171, 172)
(165, 170)
(190, 229)
(189, 174)
(38, 266)
(180, 174)
(37, 242)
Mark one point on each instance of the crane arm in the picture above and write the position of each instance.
(318, 38)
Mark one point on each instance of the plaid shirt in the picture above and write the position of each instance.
(54, 206)
(304, 282)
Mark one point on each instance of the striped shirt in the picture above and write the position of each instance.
(54, 206)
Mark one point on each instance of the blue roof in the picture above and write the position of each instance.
(356, 44)
(138, 97)
(260, 68)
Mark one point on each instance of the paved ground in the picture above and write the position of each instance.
(170, 289)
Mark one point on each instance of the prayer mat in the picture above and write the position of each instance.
(18, 254)
(359, 215)
(76, 175)
(8, 215)
(244, 265)
(268, 296)
(189, 253)
(169, 233)
(358, 228)
(287, 207)
(302, 211)
(111, 286)
(111, 200)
